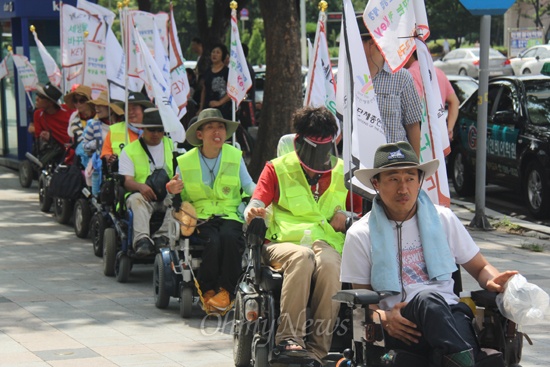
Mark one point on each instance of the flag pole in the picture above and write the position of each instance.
(233, 5)
(122, 14)
(349, 107)
(63, 81)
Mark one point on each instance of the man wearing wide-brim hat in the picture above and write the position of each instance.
(212, 177)
(146, 165)
(398, 100)
(408, 246)
(118, 135)
(50, 118)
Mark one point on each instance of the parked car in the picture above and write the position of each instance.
(464, 86)
(518, 140)
(531, 60)
(465, 61)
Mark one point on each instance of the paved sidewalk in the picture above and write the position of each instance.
(58, 309)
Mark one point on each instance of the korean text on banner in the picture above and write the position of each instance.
(239, 80)
(26, 72)
(356, 103)
(74, 22)
(95, 67)
(393, 26)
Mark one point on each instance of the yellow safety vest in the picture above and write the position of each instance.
(142, 168)
(118, 137)
(297, 209)
(225, 196)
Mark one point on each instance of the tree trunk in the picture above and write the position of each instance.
(283, 84)
(144, 5)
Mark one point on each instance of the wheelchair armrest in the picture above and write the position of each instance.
(484, 298)
(119, 178)
(255, 233)
(357, 297)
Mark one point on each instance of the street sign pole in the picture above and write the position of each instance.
(485, 9)
(480, 219)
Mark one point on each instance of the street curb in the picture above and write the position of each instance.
(469, 212)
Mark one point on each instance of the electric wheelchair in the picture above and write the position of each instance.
(357, 338)
(176, 267)
(118, 253)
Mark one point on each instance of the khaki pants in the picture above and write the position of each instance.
(143, 210)
(305, 271)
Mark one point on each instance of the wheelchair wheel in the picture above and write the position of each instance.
(109, 252)
(97, 228)
(242, 336)
(43, 197)
(123, 265)
(63, 210)
(82, 217)
(162, 297)
(186, 302)
(25, 173)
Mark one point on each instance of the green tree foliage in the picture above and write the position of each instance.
(256, 56)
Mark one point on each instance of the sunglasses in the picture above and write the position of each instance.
(80, 100)
(155, 129)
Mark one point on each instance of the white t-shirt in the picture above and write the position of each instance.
(357, 256)
(126, 166)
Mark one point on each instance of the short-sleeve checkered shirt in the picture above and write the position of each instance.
(398, 102)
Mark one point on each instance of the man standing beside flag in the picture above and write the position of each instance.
(397, 98)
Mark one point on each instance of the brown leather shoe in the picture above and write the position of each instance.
(220, 301)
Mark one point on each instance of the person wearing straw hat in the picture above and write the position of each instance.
(96, 130)
(305, 188)
(213, 175)
(398, 101)
(409, 247)
(77, 100)
(51, 118)
(147, 166)
(116, 137)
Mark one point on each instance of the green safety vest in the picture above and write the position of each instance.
(118, 137)
(297, 209)
(225, 196)
(142, 168)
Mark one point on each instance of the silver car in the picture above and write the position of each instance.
(465, 61)
(530, 61)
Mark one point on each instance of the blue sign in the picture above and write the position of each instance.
(487, 7)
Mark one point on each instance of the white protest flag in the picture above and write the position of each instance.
(4, 68)
(239, 80)
(94, 68)
(161, 21)
(104, 14)
(392, 26)
(321, 88)
(116, 69)
(179, 82)
(434, 131)
(161, 58)
(146, 23)
(134, 60)
(161, 89)
(52, 70)
(26, 72)
(74, 22)
(356, 102)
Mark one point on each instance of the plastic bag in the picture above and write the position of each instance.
(522, 302)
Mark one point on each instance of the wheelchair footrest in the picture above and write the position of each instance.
(292, 359)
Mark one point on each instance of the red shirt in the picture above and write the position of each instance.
(267, 188)
(56, 124)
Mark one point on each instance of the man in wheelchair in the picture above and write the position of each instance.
(306, 191)
(408, 247)
(147, 166)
